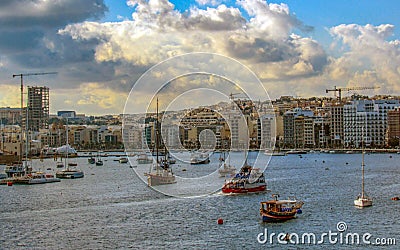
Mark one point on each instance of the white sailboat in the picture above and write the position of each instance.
(69, 173)
(362, 200)
(163, 173)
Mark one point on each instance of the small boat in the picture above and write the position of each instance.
(226, 169)
(297, 152)
(123, 160)
(69, 174)
(144, 159)
(280, 210)
(72, 164)
(99, 162)
(248, 180)
(91, 160)
(396, 198)
(199, 158)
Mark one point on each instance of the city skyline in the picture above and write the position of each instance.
(101, 48)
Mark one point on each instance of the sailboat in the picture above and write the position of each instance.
(226, 169)
(363, 200)
(99, 161)
(163, 173)
(69, 173)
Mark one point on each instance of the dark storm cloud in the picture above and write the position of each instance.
(23, 23)
(22, 14)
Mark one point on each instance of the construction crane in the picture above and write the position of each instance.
(22, 82)
(231, 95)
(340, 89)
(22, 92)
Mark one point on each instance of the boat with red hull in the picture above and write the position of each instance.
(248, 180)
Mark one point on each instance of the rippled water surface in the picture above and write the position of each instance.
(112, 208)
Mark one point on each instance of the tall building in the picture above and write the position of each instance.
(393, 120)
(38, 108)
(366, 120)
(336, 125)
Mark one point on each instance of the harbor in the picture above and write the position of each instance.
(112, 208)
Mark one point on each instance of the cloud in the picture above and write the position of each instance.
(369, 57)
(158, 32)
(111, 56)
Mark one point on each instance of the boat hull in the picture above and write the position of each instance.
(160, 179)
(69, 174)
(363, 202)
(266, 217)
(244, 190)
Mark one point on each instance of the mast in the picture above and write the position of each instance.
(66, 147)
(362, 164)
(157, 167)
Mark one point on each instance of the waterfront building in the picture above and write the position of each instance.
(336, 125)
(393, 121)
(366, 120)
(294, 127)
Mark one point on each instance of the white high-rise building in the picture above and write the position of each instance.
(366, 120)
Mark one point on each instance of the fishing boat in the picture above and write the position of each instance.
(248, 180)
(362, 199)
(163, 174)
(59, 164)
(69, 173)
(280, 210)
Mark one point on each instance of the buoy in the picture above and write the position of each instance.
(9, 183)
(220, 221)
(396, 198)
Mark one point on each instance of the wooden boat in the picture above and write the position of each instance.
(280, 210)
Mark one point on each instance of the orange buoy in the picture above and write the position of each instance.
(9, 183)
(220, 221)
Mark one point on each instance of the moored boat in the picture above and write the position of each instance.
(363, 200)
(123, 160)
(280, 210)
(163, 173)
(69, 174)
(199, 158)
(144, 159)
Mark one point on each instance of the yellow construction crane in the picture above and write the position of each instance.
(340, 89)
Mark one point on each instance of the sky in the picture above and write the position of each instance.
(101, 48)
